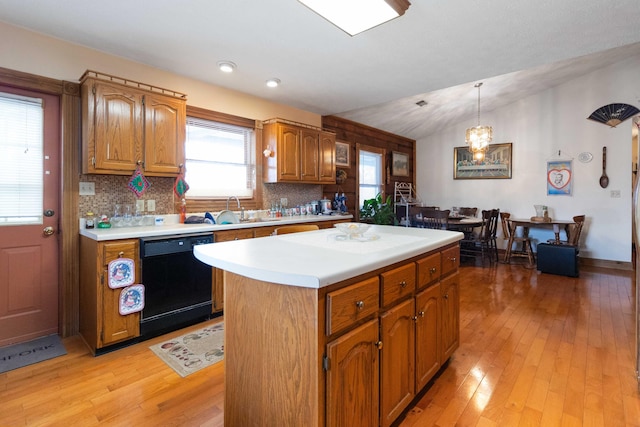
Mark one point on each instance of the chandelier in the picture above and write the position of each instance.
(479, 137)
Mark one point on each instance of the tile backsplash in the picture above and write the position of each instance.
(114, 189)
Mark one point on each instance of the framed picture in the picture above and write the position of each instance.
(495, 165)
(559, 178)
(399, 164)
(342, 154)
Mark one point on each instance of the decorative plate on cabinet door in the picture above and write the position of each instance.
(585, 157)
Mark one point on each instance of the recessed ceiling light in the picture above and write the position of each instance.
(356, 16)
(273, 82)
(226, 66)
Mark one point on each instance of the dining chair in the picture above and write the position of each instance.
(414, 215)
(468, 211)
(573, 233)
(286, 229)
(436, 219)
(483, 242)
(422, 212)
(525, 250)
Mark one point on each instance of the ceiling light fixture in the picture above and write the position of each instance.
(356, 16)
(479, 137)
(226, 66)
(273, 82)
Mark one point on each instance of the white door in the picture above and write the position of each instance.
(29, 213)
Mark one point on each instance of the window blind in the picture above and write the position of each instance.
(219, 159)
(21, 162)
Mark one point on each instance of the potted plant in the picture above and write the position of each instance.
(378, 212)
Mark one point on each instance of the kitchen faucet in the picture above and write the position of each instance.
(238, 201)
(233, 197)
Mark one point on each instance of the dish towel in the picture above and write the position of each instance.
(180, 186)
(138, 182)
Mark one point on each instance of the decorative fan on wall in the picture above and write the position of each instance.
(613, 114)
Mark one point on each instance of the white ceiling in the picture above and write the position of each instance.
(436, 52)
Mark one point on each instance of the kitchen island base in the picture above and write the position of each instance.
(304, 356)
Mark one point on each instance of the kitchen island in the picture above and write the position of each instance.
(325, 331)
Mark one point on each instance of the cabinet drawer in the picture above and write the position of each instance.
(125, 249)
(428, 270)
(352, 303)
(228, 235)
(398, 283)
(450, 260)
(263, 231)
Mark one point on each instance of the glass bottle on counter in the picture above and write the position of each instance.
(183, 211)
(89, 221)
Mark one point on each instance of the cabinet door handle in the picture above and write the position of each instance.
(446, 296)
(415, 319)
(421, 313)
(378, 345)
(403, 284)
(433, 270)
(120, 254)
(360, 305)
(453, 259)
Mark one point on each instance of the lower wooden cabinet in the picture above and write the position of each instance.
(397, 372)
(418, 336)
(418, 330)
(427, 335)
(352, 380)
(450, 318)
(101, 323)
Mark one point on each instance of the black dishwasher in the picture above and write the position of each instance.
(177, 285)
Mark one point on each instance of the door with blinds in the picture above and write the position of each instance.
(29, 213)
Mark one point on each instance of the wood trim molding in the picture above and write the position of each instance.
(30, 81)
(71, 117)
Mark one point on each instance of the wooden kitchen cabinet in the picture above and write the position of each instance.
(299, 153)
(418, 332)
(428, 359)
(397, 371)
(450, 315)
(126, 123)
(101, 323)
(353, 380)
(362, 349)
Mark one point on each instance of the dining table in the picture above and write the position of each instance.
(465, 224)
(527, 223)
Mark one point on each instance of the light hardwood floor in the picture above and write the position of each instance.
(536, 350)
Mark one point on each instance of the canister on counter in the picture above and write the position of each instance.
(89, 220)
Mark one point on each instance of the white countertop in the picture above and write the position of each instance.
(173, 227)
(320, 258)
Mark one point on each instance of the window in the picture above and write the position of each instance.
(21, 163)
(219, 156)
(370, 173)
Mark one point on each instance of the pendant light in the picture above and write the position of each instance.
(479, 137)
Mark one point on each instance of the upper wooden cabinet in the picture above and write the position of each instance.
(125, 123)
(299, 153)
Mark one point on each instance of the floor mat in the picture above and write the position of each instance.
(27, 353)
(191, 352)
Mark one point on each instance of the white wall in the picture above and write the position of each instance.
(538, 127)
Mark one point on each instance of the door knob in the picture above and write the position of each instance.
(48, 231)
